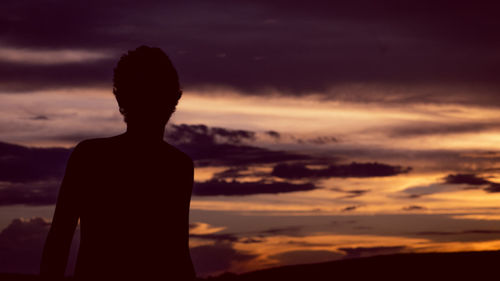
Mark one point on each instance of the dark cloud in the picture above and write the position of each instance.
(319, 140)
(361, 227)
(467, 235)
(349, 208)
(252, 236)
(273, 134)
(344, 222)
(23, 164)
(21, 244)
(196, 134)
(216, 187)
(250, 240)
(482, 155)
(22, 241)
(32, 175)
(470, 179)
(288, 231)
(226, 237)
(231, 173)
(31, 193)
(351, 193)
(236, 155)
(288, 46)
(475, 231)
(224, 147)
(307, 244)
(413, 208)
(361, 170)
(240, 172)
(356, 193)
(454, 182)
(371, 251)
(493, 187)
(25, 77)
(306, 256)
(432, 128)
(217, 258)
(473, 180)
(40, 117)
(422, 190)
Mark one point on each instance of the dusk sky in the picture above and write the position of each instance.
(319, 132)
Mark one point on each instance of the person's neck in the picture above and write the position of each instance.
(145, 133)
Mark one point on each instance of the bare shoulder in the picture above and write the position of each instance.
(96, 145)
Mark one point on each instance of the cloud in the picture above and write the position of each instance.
(240, 172)
(233, 173)
(47, 57)
(40, 117)
(201, 228)
(421, 190)
(249, 237)
(31, 193)
(306, 256)
(208, 232)
(482, 155)
(413, 208)
(359, 42)
(307, 244)
(22, 242)
(470, 179)
(319, 140)
(361, 170)
(351, 193)
(196, 134)
(223, 237)
(216, 187)
(288, 231)
(236, 155)
(466, 235)
(493, 188)
(349, 208)
(30, 176)
(23, 164)
(250, 240)
(475, 231)
(273, 134)
(360, 252)
(433, 128)
(217, 258)
(454, 182)
(213, 146)
(21, 245)
(28, 78)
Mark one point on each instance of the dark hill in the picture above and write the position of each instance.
(430, 266)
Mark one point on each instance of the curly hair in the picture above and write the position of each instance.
(146, 84)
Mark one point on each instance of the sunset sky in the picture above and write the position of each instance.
(319, 132)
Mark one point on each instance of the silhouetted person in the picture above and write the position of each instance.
(131, 192)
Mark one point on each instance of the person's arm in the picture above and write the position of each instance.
(58, 243)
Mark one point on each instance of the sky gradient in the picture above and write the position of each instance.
(347, 130)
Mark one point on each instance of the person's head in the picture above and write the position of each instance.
(146, 86)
